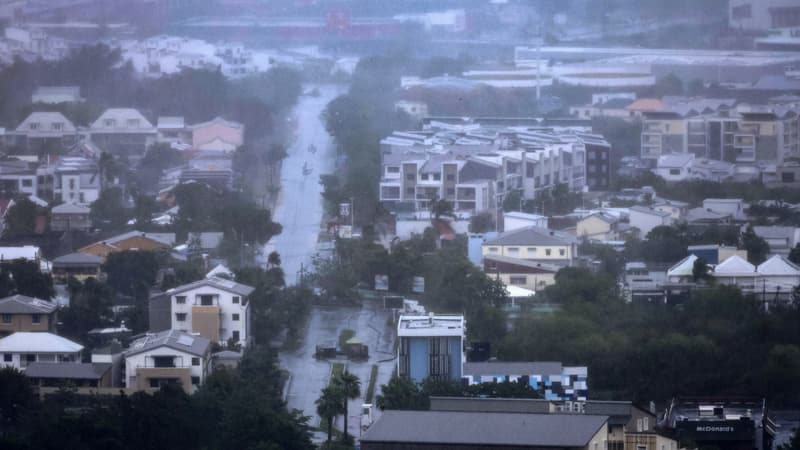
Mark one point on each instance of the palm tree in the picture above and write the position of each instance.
(350, 387)
(329, 405)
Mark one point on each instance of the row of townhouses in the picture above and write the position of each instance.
(474, 166)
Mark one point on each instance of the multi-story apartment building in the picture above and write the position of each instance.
(215, 308)
(431, 347)
(475, 166)
(744, 135)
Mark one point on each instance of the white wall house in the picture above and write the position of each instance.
(167, 357)
(645, 219)
(22, 348)
(675, 167)
(214, 308)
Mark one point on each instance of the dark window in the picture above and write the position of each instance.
(195, 361)
(207, 300)
(180, 299)
(410, 191)
(787, 177)
(180, 317)
(30, 357)
(393, 169)
(195, 381)
(7, 357)
(451, 191)
(36, 318)
(411, 176)
(163, 361)
(674, 171)
(235, 299)
(235, 336)
(451, 177)
(154, 383)
(529, 169)
(437, 177)
(518, 279)
(235, 317)
(27, 183)
(6, 318)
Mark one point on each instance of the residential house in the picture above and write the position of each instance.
(70, 217)
(18, 177)
(24, 347)
(45, 132)
(79, 375)
(217, 134)
(715, 254)
(76, 265)
(732, 206)
(781, 239)
(173, 130)
(515, 220)
(424, 430)
(54, 95)
(167, 357)
(527, 274)
(553, 380)
(675, 167)
(676, 209)
(430, 347)
(598, 226)
(132, 240)
(612, 107)
(76, 180)
(30, 253)
(701, 217)
(123, 132)
(23, 313)
(645, 219)
(215, 308)
(714, 170)
(643, 282)
(534, 244)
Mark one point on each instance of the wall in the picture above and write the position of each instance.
(536, 252)
(593, 227)
(24, 322)
(213, 319)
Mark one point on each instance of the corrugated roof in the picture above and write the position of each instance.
(481, 428)
(532, 236)
(73, 371)
(70, 208)
(646, 104)
(33, 342)
(778, 265)
(77, 258)
(734, 265)
(22, 304)
(219, 283)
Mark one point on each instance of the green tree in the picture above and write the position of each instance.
(757, 248)
(20, 220)
(350, 387)
(481, 223)
(794, 442)
(89, 307)
(329, 405)
(401, 393)
(132, 272)
(701, 271)
(108, 211)
(16, 398)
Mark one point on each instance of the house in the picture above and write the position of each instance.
(70, 217)
(715, 254)
(214, 308)
(217, 134)
(515, 220)
(527, 274)
(781, 239)
(45, 131)
(18, 177)
(24, 347)
(644, 283)
(598, 226)
(53, 95)
(76, 180)
(645, 219)
(675, 167)
(94, 375)
(700, 217)
(226, 358)
(732, 206)
(534, 244)
(167, 357)
(132, 240)
(713, 170)
(430, 347)
(27, 252)
(423, 430)
(173, 130)
(76, 265)
(553, 380)
(676, 209)
(123, 132)
(23, 313)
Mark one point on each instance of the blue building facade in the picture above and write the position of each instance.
(431, 347)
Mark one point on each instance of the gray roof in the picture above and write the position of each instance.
(178, 340)
(646, 210)
(22, 304)
(70, 208)
(75, 371)
(77, 258)
(504, 405)
(227, 354)
(164, 238)
(533, 264)
(481, 428)
(219, 283)
(513, 368)
(532, 236)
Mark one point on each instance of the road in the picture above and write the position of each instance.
(299, 207)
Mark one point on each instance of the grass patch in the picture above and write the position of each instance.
(338, 369)
(345, 336)
(373, 378)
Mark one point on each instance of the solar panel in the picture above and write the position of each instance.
(186, 340)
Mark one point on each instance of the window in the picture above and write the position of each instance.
(195, 361)
(235, 299)
(531, 250)
(6, 318)
(72, 183)
(437, 177)
(27, 183)
(195, 381)
(645, 423)
(548, 251)
(180, 317)
(521, 279)
(562, 252)
(34, 126)
(639, 428)
(8, 357)
(30, 357)
(674, 171)
(392, 169)
(235, 317)
(154, 383)
(492, 249)
(787, 177)
(591, 156)
(513, 251)
(109, 123)
(180, 299)
(58, 126)
(451, 191)
(410, 191)
(207, 300)
(411, 177)
(36, 318)
(235, 336)
(424, 177)
(163, 361)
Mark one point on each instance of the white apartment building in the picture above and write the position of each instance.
(214, 308)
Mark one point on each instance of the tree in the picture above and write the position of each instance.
(89, 307)
(481, 223)
(794, 442)
(274, 259)
(132, 272)
(16, 397)
(20, 220)
(108, 211)
(350, 387)
(757, 248)
(700, 270)
(329, 405)
(794, 254)
(441, 207)
(401, 393)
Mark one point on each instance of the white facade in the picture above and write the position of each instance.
(198, 365)
(761, 15)
(22, 348)
(732, 206)
(675, 167)
(232, 308)
(517, 220)
(645, 219)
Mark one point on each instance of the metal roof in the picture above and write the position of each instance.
(481, 428)
(22, 304)
(174, 339)
(219, 283)
(532, 236)
(33, 342)
(75, 371)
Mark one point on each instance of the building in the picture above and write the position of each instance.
(123, 132)
(473, 164)
(23, 348)
(430, 347)
(167, 357)
(173, 130)
(53, 95)
(524, 273)
(723, 423)
(70, 217)
(762, 15)
(18, 177)
(23, 313)
(732, 206)
(44, 132)
(217, 134)
(598, 226)
(598, 169)
(644, 283)
(76, 265)
(676, 209)
(781, 239)
(132, 240)
(515, 220)
(30, 253)
(75, 180)
(551, 379)
(214, 308)
(79, 375)
(421, 430)
(645, 219)
(534, 244)
(715, 254)
(675, 167)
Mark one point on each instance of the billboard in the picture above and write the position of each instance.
(381, 282)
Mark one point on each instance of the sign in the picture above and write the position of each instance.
(393, 301)
(344, 209)
(381, 282)
(345, 231)
(419, 285)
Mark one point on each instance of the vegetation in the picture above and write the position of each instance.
(333, 400)
(373, 378)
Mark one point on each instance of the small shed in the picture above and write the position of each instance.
(355, 349)
(326, 350)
